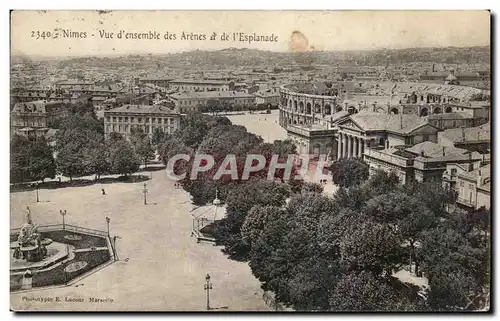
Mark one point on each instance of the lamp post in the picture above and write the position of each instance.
(115, 253)
(208, 287)
(145, 191)
(107, 222)
(37, 187)
(63, 214)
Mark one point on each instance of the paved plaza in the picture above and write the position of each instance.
(264, 125)
(161, 266)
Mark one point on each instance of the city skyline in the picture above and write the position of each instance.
(380, 30)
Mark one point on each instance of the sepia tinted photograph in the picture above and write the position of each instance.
(250, 161)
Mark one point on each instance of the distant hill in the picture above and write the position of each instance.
(244, 57)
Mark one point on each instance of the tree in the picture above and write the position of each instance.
(432, 195)
(364, 292)
(458, 272)
(19, 148)
(372, 247)
(405, 215)
(311, 283)
(349, 172)
(256, 220)
(240, 200)
(70, 160)
(381, 182)
(144, 149)
(284, 244)
(96, 157)
(159, 136)
(311, 187)
(41, 164)
(76, 136)
(123, 159)
(354, 198)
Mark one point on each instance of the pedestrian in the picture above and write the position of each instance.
(103, 191)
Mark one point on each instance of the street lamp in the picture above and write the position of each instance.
(63, 214)
(115, 253)
(107, 222)
(208, 287)
(37, 187)
(145, 191)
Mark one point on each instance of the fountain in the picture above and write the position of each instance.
(30, 245)
(50, 255)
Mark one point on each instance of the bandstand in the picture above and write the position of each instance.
(203, 221)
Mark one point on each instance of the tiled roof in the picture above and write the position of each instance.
(429, 151)
(480, 133)
(143, 109)
(211, 94)
(401, 123)
(199, 81)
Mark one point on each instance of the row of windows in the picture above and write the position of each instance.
(139, 119)
(128, 128)
(197, 88)
(32, 123)
(192, 102)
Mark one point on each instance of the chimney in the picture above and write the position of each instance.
(444, 154)
(479, 178)
(422, 153)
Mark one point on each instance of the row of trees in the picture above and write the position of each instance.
(341, 253)
(217, 137)
(338, 253)
(79, 149)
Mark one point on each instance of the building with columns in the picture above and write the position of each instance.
(378, 131)
(148, 118)
(315, 102)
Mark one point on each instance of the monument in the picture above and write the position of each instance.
(30, 246)
(51, 255)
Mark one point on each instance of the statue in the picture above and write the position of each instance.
(30, 245)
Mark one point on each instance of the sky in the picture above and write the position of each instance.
(287, 30)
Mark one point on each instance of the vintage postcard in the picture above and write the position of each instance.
(272, 161)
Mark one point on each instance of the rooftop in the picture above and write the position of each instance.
(143, 109)
(402, 123)
(457, 135)
(211, 94)
(457, 115)
(199, 81)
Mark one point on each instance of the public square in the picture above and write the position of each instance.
(264, 125)
(161, 266)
